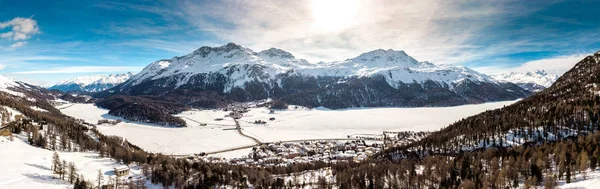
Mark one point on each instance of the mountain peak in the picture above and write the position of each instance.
(229, 47)
(275, 52)
(382, 52)
(386, 58)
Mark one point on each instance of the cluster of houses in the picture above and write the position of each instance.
(357, 148)
(394, 138)
(111, 122)
(305, 152)
(237, 111)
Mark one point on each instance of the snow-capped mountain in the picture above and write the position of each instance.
(23, 91)
(92, 83)
(375, 78)
(12, 87)
(532, 81)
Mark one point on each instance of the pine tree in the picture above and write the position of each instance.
(550, 182)
(72, 172)
(77, 184)
(63, 170)
(100, 178)
(56, 163)
(63, 142)
(102, 151)
(568, 174)
(583, 163)
(53, 141)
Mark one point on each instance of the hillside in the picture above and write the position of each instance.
(568, 107)
(547, 140)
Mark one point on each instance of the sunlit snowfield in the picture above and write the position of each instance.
(293, 124)
(304, 123)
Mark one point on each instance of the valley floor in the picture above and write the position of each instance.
(205, 133)
(302, 123)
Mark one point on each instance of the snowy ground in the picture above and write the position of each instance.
(302, 123)
(293, 124)
(25, 166)
(592, 181)
(166, 140)
(234, 154)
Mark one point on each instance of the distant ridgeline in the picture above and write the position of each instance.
(91, 83)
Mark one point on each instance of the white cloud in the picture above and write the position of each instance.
(21, 28)
(428, 30)
(18, 44)
(83, 69)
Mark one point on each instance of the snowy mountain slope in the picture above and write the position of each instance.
(395, 66)
(532, 81)
(211, 75)
(92, 83)
(12, 87)
(26, 166)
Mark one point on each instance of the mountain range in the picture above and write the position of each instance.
(532, 81)
(212, 77)
(95, 83)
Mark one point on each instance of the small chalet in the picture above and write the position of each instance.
(122, 171)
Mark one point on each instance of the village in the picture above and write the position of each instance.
(284, 153)
(356, 149)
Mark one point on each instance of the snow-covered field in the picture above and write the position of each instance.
(293, 124)
(592, 181)
(302, 123)
(166, 140)
(25, 166)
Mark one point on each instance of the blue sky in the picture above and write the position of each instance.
(42, 42)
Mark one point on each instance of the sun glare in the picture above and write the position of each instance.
(334, 15)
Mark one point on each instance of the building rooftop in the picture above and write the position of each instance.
(122, 168)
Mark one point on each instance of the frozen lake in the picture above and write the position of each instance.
(293, 124)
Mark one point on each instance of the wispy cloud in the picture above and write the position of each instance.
(82, 69)
(554, 65)
(18, 44)
(25, 58)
